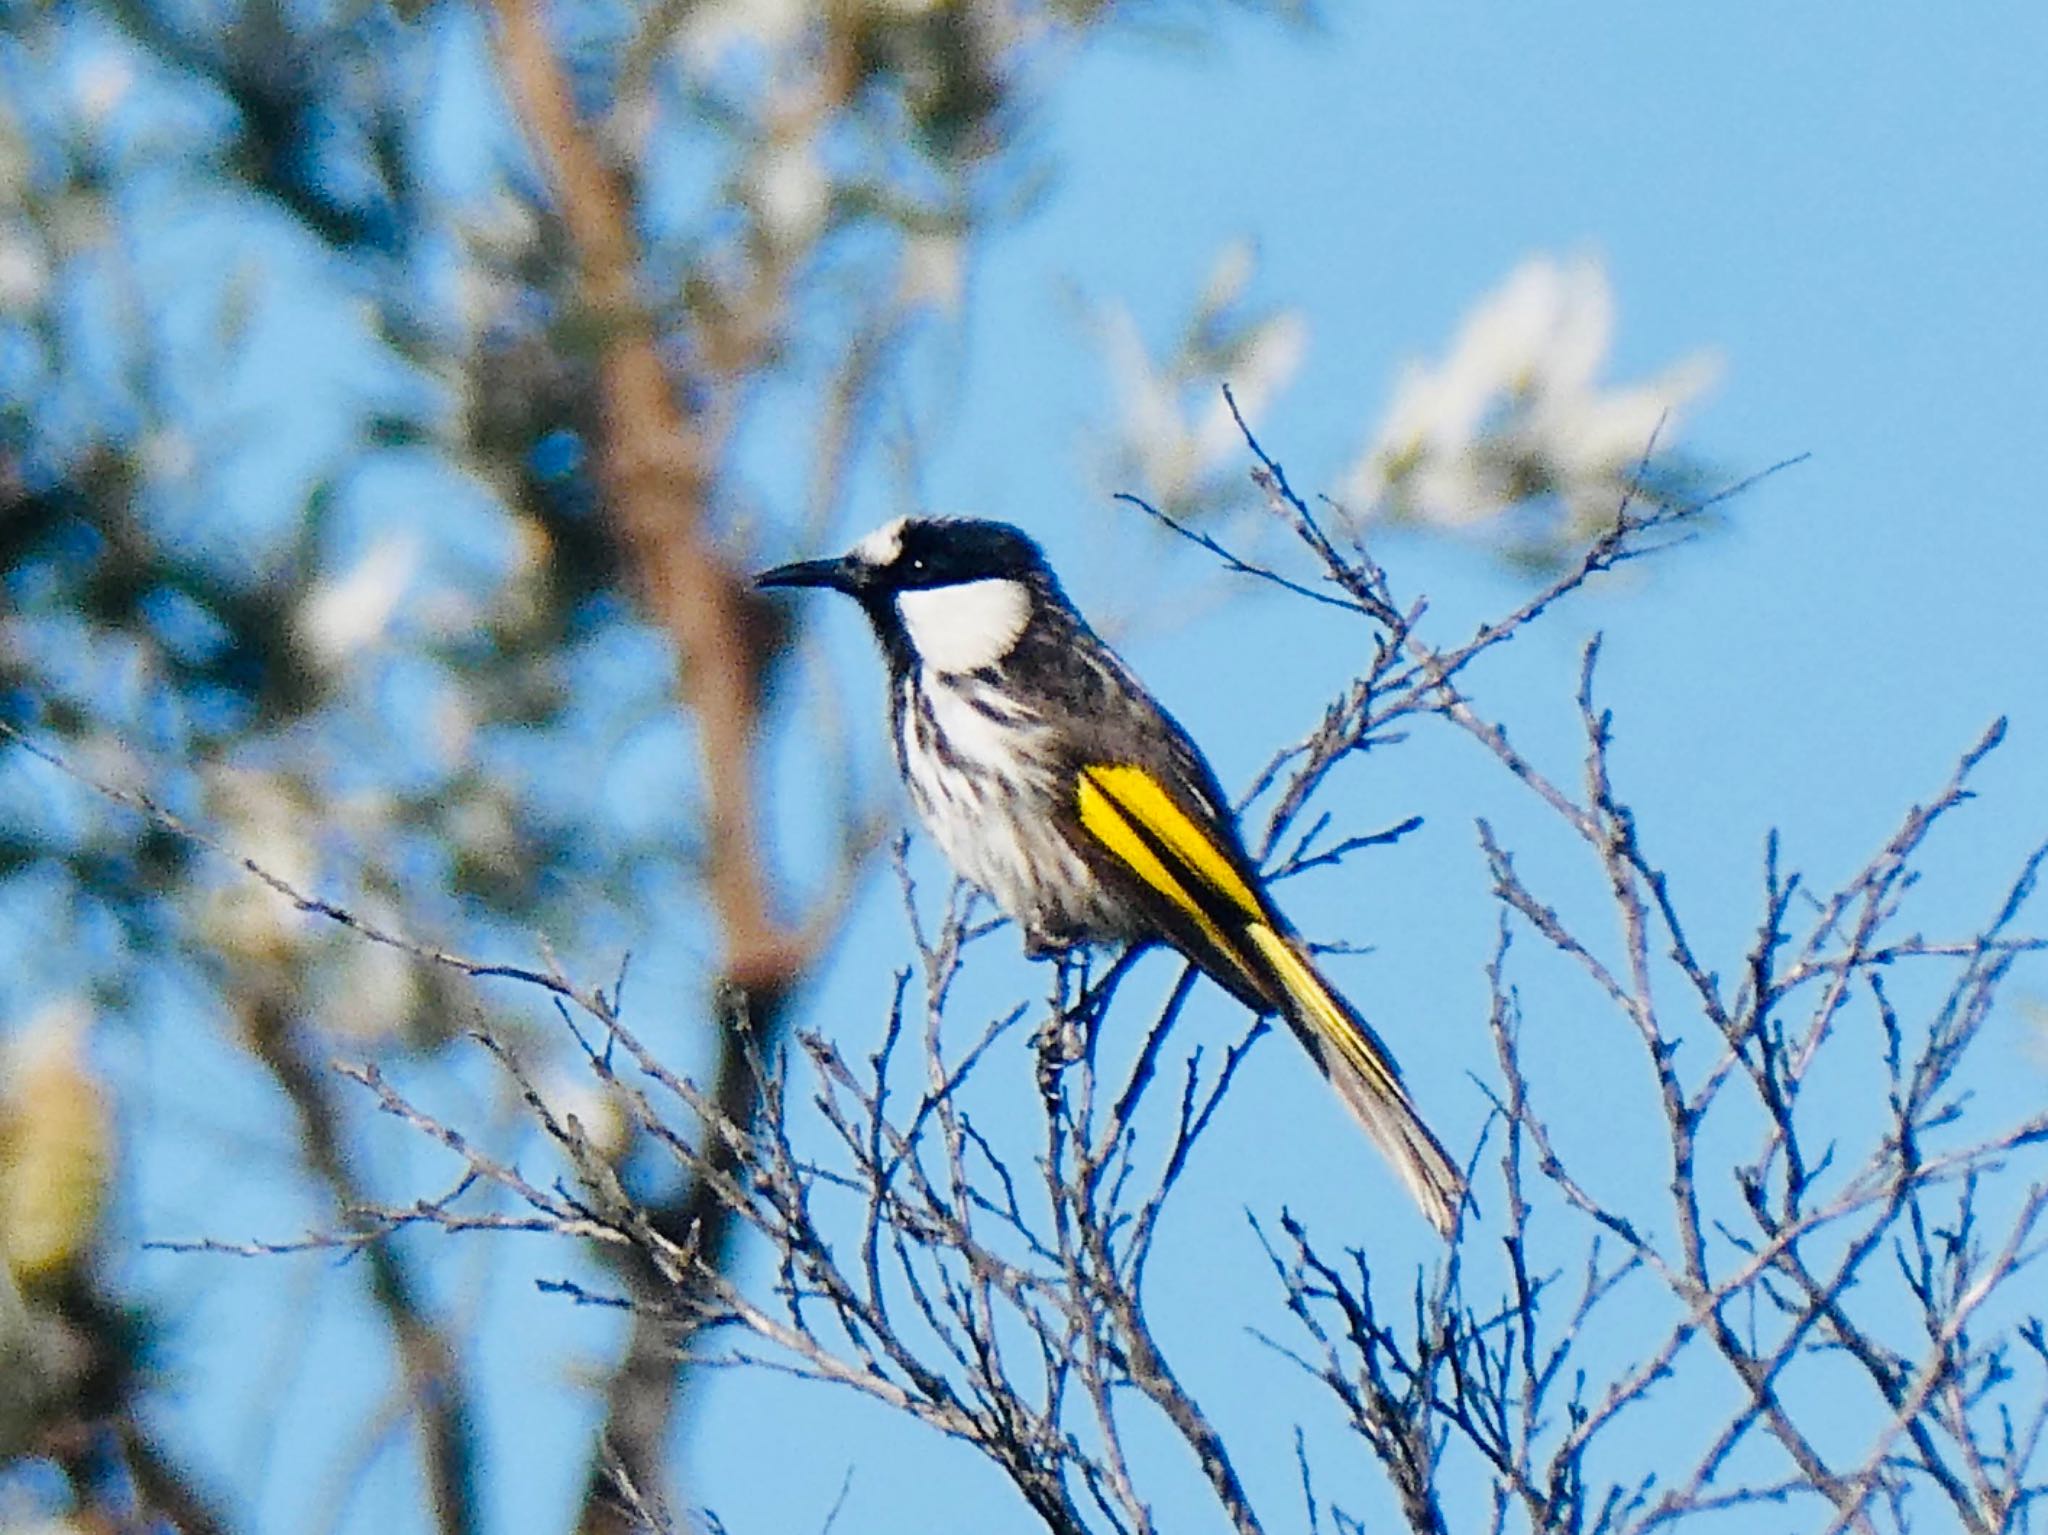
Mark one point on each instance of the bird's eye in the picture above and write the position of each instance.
(917, 565)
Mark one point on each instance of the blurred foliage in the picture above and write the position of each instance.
(300, 530)
(300, 535)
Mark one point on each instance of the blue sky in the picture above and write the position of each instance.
(1851, 211)
(1851, 214)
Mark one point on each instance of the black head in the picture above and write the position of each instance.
(918, 552)
(957, 593)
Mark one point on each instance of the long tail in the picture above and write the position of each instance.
(1193, 881)
(1362, 1071)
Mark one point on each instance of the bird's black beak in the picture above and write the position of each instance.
(839, 575)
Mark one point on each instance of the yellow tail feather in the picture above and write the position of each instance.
(1306, 990)
(1364, 1077)
(1131, 815)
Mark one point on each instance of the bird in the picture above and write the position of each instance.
(1053, 780)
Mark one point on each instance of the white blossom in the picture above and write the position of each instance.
(168, 455)
(1176, 429)
(100, 85)
(1517, 410)
(934, 272)
(712, 30)
(1266, 361)
(24, 275)
(349, 613)
(266, 819)
(599, 1110)
(790, 191)
(379, 986)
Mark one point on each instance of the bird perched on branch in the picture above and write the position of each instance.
(1055, 782)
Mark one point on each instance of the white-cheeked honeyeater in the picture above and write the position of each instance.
(1051, 779)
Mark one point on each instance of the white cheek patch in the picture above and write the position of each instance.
(967, 626)
(880, 547)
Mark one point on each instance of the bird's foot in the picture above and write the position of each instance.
(1058, 1042)
(1046, 943)
(1061, 1039)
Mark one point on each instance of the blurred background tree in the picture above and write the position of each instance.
(373, 386)
(384, 395)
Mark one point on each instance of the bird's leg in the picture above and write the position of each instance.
(1061, 1039)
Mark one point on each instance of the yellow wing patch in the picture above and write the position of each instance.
(1106, 823)
(1122, 807)
(1306, 987)
(1137, 794)
(1103, 820)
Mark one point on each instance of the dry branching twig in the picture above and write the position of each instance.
(1822, 1262)
(1771, 1288)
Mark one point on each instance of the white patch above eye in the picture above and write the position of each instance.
(881, 547)
(966, 626)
